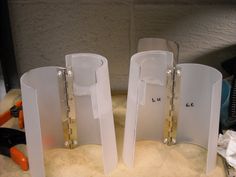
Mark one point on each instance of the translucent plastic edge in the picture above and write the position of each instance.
(32, 122)
(132, 106)
(214, 126)
(107, 128)
(131, 115)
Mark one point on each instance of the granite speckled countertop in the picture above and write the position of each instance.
(152, 159)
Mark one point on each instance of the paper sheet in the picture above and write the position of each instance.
(227, 147)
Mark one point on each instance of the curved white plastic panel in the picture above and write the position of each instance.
(34, 138)
(197, 103)
(42, 115)
(44, 109)
(45, 83)
(93, 104)
(199, 107)
(146, 99)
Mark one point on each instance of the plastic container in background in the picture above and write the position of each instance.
(196, 103)
(44, 105)
(224, 110)
(146, 44)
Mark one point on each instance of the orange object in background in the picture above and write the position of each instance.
(21, 120)
(18, 103)
(9, 138)
(19, 158)
(15, 111)
(5, 117)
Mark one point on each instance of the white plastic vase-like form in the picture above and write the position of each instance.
(147, 44)
(197, 104)
(43, 109)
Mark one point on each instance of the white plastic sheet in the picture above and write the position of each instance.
(227, 147)
(93, 109)
(197, 105)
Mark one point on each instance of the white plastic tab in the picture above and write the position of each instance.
(197, 106)
(44, 109)
(88, 91)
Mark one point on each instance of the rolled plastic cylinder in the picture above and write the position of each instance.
(43, 109)
(199, 87)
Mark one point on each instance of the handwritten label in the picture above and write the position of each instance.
(191, 104)
(158, 99)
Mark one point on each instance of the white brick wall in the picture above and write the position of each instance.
(45, 30)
